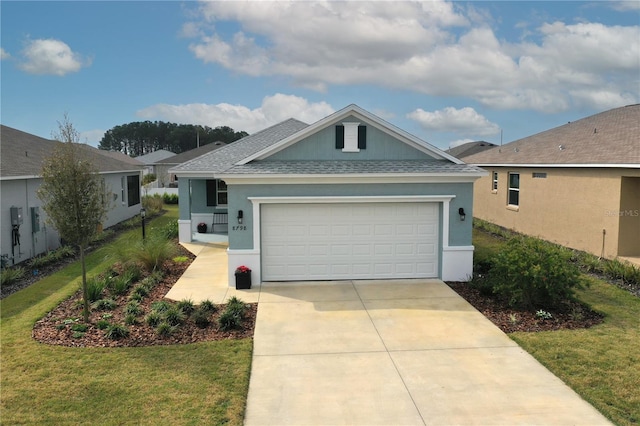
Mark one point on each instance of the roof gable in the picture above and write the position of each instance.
(351, 113)
(155, 156)
(607, 139)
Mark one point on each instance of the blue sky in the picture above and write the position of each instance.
(446, 72)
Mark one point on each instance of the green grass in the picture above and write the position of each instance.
(602, 363)
(204, 383)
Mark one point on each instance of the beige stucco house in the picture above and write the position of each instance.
(577, 185)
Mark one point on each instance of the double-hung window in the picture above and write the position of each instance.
(494, 183)
(216, 192)
(514, 189)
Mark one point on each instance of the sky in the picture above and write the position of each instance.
(446, 72)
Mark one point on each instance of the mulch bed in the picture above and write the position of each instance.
(573, 315)
(52, 329)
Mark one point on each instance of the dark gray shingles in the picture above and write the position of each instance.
(222, 159)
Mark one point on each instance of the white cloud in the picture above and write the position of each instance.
(50, 56)
(427, 47)
(464, 121)
(273, 110)
(624, 6)
(4, 54)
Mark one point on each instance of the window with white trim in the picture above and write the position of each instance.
(514, 189)
(221, 193)
(494, 183)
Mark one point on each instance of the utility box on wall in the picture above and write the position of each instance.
(16, 216)
(35, 219)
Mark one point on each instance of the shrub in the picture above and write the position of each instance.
(78, 334)
(531, 273)
(132, 272)
(116, 331)
(95, 287)
(237, 306)
(201, 317)
(186, 305)
(170, 198)
(80, 327)
(153, 318)
(165, 329)
(104, 304)
(11, 275)
(229, 320)
(174, 315)
(133, 308)
(154, 251)
(130, 319)
(118, 285)
(170, 230)
(152, 204)
(148, 178)
(139, 290)
(208, 306)
(102, 324)
(160, 306)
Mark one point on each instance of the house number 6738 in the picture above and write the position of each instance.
(239, 228)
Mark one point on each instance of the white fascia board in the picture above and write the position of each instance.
(194, 174)
(352, 199)
(346, 179)
(572, 166)
(7, 178)
(360, 114)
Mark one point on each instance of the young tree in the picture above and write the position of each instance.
(73, 194)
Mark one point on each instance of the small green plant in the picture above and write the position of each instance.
(174, 315)
(140, 290)
(130, 319)
(237, 306)
(102, 324)
(170, 198)
(513, 319)
(165, 329)
(543, 315)
(116, 331)
(107, 315)
(201, 317)
(79, 327)
(104, 304)
(70, 321)
(160, 306)
(132, 308)
(9, 276)
(95, 287)
(60, 327)
(148, 178)
(170, 230)
(180, 259)
(229, 320)
(118, 285)
(78, 334)
(153, 319)
(208, 306)
(186, 305)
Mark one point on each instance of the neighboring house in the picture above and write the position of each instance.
(348, 197)
(20, 168)
(469, 148)
(149, 160)
(163, 166)
(577, 185)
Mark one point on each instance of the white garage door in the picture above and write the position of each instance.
(349, 241)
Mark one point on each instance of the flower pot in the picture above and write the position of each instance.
(243, 280)
(202, 228)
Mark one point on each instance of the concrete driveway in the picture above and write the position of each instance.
(402, 352)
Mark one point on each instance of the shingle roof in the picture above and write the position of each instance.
(469, 148)
(611, 137)
(223, 158)
(22, 154)
(191, 154)
(155, 156)
(351, 167)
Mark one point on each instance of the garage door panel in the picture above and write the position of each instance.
(349, 241)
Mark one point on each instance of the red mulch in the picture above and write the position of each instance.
(573, 315)
(52, 330)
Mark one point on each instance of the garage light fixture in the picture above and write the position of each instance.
(240, 216)
(462, 214)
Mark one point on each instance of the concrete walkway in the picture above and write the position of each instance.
(401, 352)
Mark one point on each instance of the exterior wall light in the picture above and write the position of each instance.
(462, 214)
(240, 216)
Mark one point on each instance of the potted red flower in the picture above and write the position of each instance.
(243, 277)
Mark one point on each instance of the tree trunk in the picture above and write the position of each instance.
(85, 296)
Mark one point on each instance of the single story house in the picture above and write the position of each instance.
(163, 166)
(24, 231)
(348, 197)
(577, 185)
(149, 160)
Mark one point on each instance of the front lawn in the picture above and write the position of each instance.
(203, 383)
(601, 363)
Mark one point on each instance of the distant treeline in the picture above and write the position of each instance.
(143, 137)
